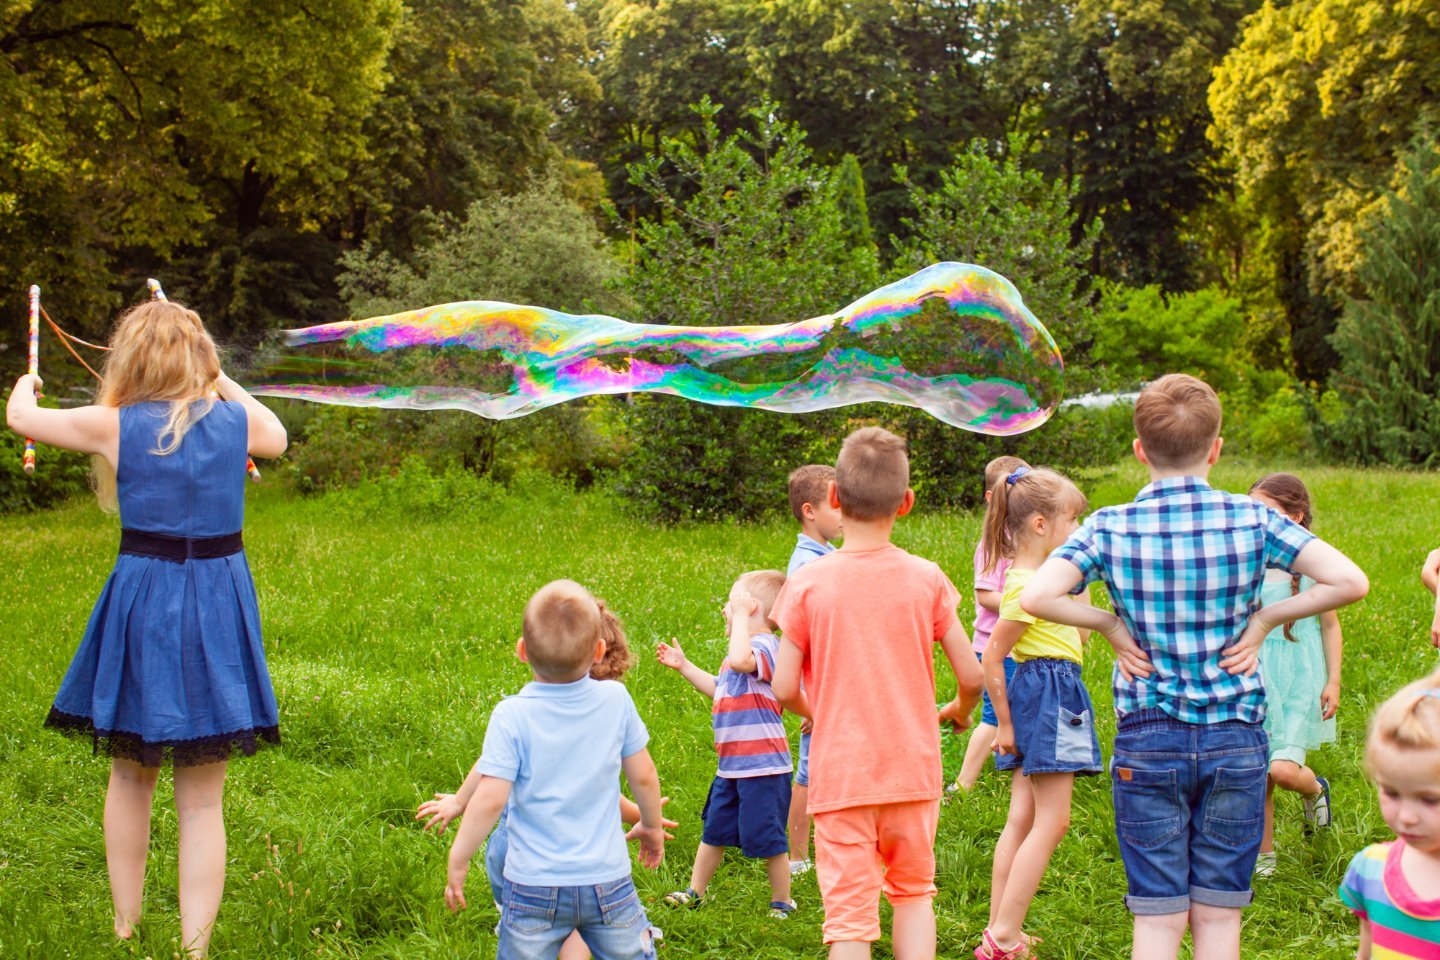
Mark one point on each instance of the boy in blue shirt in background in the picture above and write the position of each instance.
(554, 752)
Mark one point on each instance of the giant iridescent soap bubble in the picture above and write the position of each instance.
(954, 340)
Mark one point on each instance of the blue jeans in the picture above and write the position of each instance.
(495, 850)
(1189, 809)
(535, 921)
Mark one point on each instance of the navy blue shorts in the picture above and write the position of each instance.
(1053, 719)
(749, 813)
(1189, 810)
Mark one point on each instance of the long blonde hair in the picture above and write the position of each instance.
(160, 351)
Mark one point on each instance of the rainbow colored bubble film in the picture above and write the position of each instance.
(954, 340)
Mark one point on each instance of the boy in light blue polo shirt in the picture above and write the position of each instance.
(553, 753)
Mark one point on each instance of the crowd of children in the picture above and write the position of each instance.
(1204, 588)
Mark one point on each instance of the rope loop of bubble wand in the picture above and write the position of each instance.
(29, 457)
(157, 293)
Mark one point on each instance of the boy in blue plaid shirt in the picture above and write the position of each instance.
(1184, 565)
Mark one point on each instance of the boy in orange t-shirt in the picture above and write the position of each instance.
(861, 625)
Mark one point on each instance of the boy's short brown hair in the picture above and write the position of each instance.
(1177, 418)
(561, 626)
(1001, 467)
(872, 474)
(809, 484)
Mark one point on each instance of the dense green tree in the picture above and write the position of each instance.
(1142, 333)
(850, 195)
(1389, 337)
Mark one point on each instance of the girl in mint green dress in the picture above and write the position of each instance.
(1300, 664)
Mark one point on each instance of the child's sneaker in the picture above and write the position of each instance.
(684, 898)
(797, 867)
(781, 909)
(1265, 864)
(1317, 808)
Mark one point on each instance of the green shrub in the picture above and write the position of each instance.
(59, 475)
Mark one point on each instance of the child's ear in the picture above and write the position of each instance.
(907, 503)
(807, 511)
(520, 651)
(1215, 451)
(599, 650)
(833, 493)
(1140, 452)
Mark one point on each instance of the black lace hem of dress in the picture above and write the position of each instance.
(181, 753)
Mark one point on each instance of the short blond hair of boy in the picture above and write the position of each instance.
(764, 586)
(872, 474)
(809, 484)
(1409, 720)
(1177, 418)
(561, 626)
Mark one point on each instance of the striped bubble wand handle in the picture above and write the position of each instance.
(29, 460)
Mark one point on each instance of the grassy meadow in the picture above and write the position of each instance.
(390, 633)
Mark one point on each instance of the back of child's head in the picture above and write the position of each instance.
(1289, 492)
(159, 351)
(764, 586)
(1177, 419)
(872, 474)
(1001, 467)
(617, 660)
(1020, 495)
(561, 627)
(1408, 721)
(809, 484)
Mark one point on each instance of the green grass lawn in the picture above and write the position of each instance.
(390, 637)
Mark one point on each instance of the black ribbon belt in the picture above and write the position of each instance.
(163, 546)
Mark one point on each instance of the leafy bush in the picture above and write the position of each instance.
(1142, 333)
(59, 475)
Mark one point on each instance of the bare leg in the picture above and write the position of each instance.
(799, 823)
(127, 839)
(1051, 820)
(850, 950)
(1292, 776)
(1017, 824)
(574, 948)
(1216, 932)
(912, 931)
(1158, 937)
(977, 750)
(777, 868)
(1267, 835)
(707, 861)
(198, 792)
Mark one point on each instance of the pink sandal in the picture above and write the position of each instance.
(989, 949)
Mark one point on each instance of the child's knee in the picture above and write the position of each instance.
(1285, 773)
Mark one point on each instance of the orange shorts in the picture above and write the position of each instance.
(861, 850)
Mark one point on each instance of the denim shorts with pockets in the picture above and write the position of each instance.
(1053, 718)
(535, 921)
(1189, 809)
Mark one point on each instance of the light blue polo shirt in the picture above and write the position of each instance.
(806, 550)
(560, 746)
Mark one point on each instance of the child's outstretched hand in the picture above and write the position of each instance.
(455, 887)
(441, 811)
(670, 654)
(652, 843)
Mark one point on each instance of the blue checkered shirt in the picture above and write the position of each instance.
(1184, 564)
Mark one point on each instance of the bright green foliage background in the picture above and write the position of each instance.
(390, 613)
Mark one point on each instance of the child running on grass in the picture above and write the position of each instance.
(819, 526)
(1394, 887)
(989, 588)
(1184, 565)
(1045, 719)
(438, 813)
(172, 665)
(1301, 666)
(553, 753)
(861, 626)
(750, 795)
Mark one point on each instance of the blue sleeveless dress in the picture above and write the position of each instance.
(172, 665)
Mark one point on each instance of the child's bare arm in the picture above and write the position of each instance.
(630, 814)
(644, 782)
(737, 622)
(1047, 596)
(481, 813)
(1082, 597)
(786, 682)
(1006, 634)
(91, 429)
(670, 655)
(1365, 940)
(1435, 625)
(1331, 640)
(447, 806)
(1430, 571)
(1338, 581)
(989, 599)
(267, 436)
(969, 679)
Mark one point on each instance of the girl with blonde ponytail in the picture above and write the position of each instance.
(171, 667)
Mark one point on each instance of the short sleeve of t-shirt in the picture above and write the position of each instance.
(636, 736)
(766, 647)
(789, 615)
(503, 754)
(1351, 886)
(1284, 539)
(1010, 608)
(1083, 550)
(947, 598)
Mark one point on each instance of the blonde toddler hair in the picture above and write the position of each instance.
(1410, 720)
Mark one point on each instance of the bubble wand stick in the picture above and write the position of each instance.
(29, 460)
(156, 293)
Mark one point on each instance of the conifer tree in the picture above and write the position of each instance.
(850, 198)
